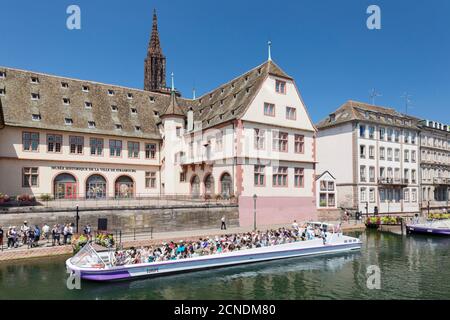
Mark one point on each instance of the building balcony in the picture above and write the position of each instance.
(393, 182)
(441, 181)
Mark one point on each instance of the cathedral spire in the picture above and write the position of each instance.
(155, 63)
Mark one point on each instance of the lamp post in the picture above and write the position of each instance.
(428, 206)
(254, 211)
(77, 217)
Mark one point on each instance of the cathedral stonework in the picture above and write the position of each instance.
(155, 62)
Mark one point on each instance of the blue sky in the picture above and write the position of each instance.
(324, 44)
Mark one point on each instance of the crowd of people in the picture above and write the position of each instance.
(30, 235)
(216, 245)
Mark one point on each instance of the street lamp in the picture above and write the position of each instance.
(254, 211)
(77, 217)
(428, 206)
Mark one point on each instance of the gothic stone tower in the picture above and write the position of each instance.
(155, 63)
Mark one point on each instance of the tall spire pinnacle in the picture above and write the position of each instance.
(269, 45)
(155, 63)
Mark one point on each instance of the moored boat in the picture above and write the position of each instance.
(98, 266)
(435, 227)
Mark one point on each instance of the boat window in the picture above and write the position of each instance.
(87, 257)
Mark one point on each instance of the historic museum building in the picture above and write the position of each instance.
(73, 138)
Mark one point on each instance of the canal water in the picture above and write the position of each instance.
(412, 267)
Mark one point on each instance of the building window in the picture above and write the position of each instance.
(137, 128)
(389, 134)
(372, 174)
(68, 121)
(397, 155)
(88, 105)
(36, 117)
(414, 195)
(110, 92)
(406, 155)
(413, 156)
(299, 177)
(30, 141)
(280, 176)
(182, 177)
(406, 137)
(150, 179)
(269, 109)
(362, 151)
(66, 101)
(362, 131)
(30, 177)
(299, 143)
(35, 96)
(260, 179)
(382, 133)
(133, 149)
(130, 96)
(85, 88)
(133, 110)
(150, 151)
(397, 135)
(260, 139)
(91, 124)
(363, 195)
(372, 195)
(118, 126)
(64, 85)
(406, 195)
(114, 108)
(54, 142)
(76, 144)
(2, 91)
(280, 141)
(115, 148)
(219, 141)
(382, 153)
(291, 113)
(280, 86)
(362, 173)
(389, 154)
(96, 146)
(34, 80)
(2, 74)
(371, 132)
(413, 176)
(371, 152)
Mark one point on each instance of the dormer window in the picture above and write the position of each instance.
(247, 90)
(137, 128)
(222, 91)
(200, 101)
(35, 96)
(130, 95)
(68, 121)
(133, 111)
(36, 117)
(110, 92)
(2, 74)
(210, 96)
(118, 126)
(280, 86)
(152, 99)
(234, 96)
(246, 78)
(85, 88)
(66, 101)
(232, 85)
(91, 124)
(114, 108)
(88, 105)
(2, 91)
(221, 102)
(156, 113)
(64, 85)
(35, 80)
(332, 117)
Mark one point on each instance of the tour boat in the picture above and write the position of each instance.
(436, 227)
(89, 264)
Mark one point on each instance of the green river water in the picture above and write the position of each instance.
(412, 267)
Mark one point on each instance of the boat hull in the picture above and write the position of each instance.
(209, 262)
(427, 230)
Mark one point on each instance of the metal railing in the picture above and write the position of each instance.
(138, 200)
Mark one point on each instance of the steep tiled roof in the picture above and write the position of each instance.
(135, 108)
(230, 101)
(360, 111)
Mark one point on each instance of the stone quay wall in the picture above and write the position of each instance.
(133, 219)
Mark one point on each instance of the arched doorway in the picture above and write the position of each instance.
(209, 185)
(226, 185)
(96, 187)
(195, 186)
(65, 186)
(124, 187)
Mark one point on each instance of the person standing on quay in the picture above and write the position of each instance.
(223, 226)
(1, 238)
(46, 231)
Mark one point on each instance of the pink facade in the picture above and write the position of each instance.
(276, 210)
